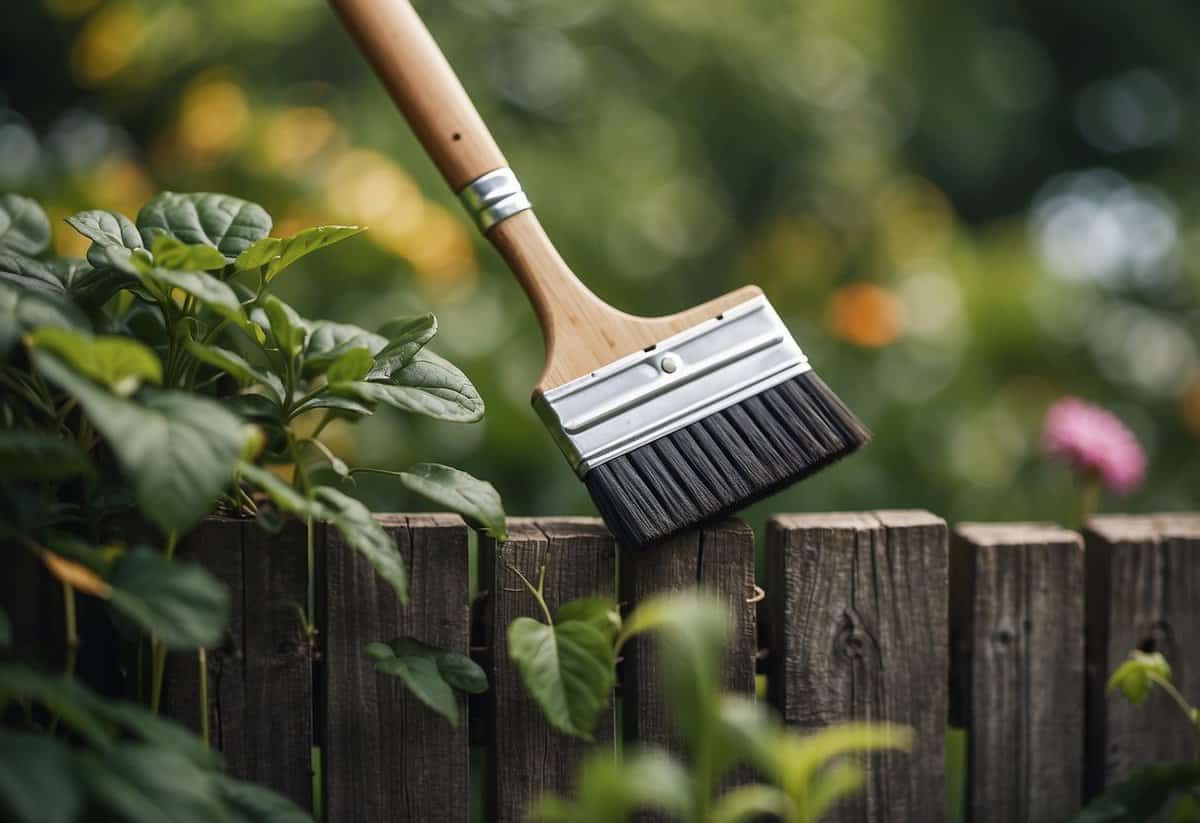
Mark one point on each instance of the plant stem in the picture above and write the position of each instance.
(1179, 700)
(1089, 499)
(159, 651)
(202, 665)
(311, 604)
(536, 592)
(72, 628)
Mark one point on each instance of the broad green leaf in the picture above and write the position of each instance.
(406, 336)
(365, 535)
(23, 225)
(108, 228)
(429, 385)
(286, 326)
(210, 291)
(837, 781)
(601, 612)
(1141, 795)
(173, 254)
(475, 499)
(121, 363)
(750, 803)
(227, 223)
(796, 760)
(611, 790)
(87, 285)
(1135, 676)
(119, 258)
(343, 406)
(277, 253)
(179, 450)
(38, 783)
(36, 455)
(180, 603)
(249, 803)
(68, 699)
(238, 366)
(352, 365)
(329, 341)
(418, 670)
(138, 782)
(27, 273)
(456, 670)
(22, 310)
(567, 669)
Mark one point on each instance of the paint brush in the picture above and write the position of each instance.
(669, 421)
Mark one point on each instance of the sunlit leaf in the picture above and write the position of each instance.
(1135, 676)
(170, 253)
(286, 326)
(24, 227)
(121, 363)
(277, 253)
(229, 224)
(76, 575)
(352, 365)
(600, 612)
(429, 386)
(209, 290)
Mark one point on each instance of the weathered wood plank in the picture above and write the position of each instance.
(527, 756)
(717, 557)
(276, 726)
(1143, 586)
(216, 544)
(859, 623)
(385, 755)
(1017, 641)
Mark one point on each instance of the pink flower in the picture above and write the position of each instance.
(1095, 442)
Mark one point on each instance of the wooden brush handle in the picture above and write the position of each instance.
(582, 331)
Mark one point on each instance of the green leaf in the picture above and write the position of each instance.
(180, 603)
(87, 285)
(22, 310)
(344, 406)
(475, 499)
(278, 253)
(1135, 676)
(23, 225)
(1141, 795)
(170, 253)
(796, 761)
(120, 363)
(236, 365)
(352, 365)
(38, 783)
(39, 456)
(286, 326)
(28, 273)
(179, 450)
(600, 612)
(249, 803)
(406, 336)
(611, 790)
(137, 782)
(227, 223)
(108, 228)
(70, 701)
(429, 385)
(751, 802)
(417, 667)
(567, 669)
(329, 341)
(209, 290)
(365, 535)
(283, 495)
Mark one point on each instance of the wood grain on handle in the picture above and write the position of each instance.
(582, 331)
(406, 58)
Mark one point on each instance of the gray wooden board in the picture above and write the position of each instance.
(1017, 629)
(1143, 587)
(527, 756)
(386, 757)
(717, 557)
(858, 606)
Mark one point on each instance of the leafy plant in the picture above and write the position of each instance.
(803, 775)
(159, 380)
(1150, 789)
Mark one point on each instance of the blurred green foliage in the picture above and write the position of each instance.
(964, 210)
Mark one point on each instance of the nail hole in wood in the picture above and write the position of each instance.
(456, 136)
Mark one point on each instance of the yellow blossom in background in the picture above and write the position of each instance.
(118, 184)
(67, 242)
(1189, 405)
(70, 9)
(213, 115)
(108, 42)
(916, 220)
(865, 315)
(291, 138)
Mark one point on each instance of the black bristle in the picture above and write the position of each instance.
(724, 462)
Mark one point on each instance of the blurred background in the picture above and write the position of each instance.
(964, 210)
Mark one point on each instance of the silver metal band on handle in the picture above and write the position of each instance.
(493, 197)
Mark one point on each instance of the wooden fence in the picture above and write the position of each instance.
(998, 628)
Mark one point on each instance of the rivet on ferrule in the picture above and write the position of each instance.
(493, 197)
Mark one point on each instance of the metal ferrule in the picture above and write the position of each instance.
(685, 378)
(493, 197)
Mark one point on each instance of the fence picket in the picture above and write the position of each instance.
(858, 606)
(1016, 630)
(528, 757)
(1143, 587)
(385, 756)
